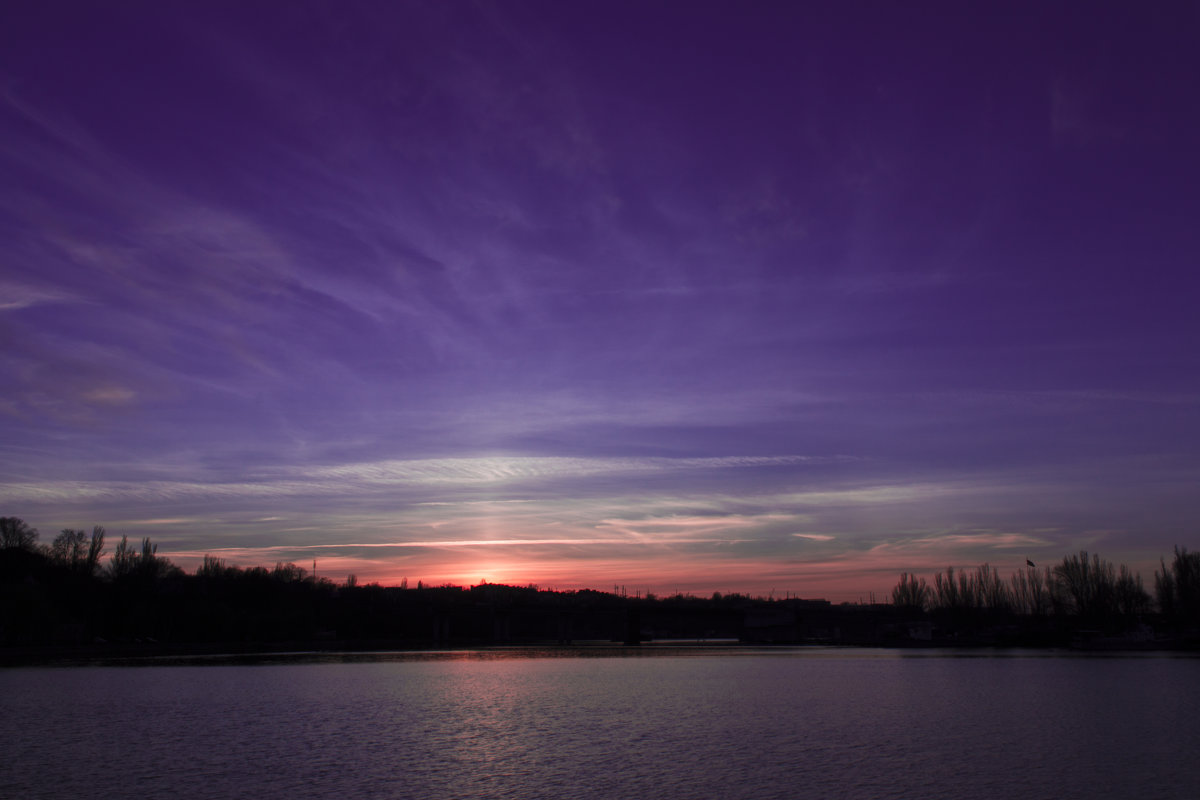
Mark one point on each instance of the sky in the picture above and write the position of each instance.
(754, 296)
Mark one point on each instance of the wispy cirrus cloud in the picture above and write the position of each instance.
(510, 469)
(682, 528)
(440, 544)
(391, 474)
(967, 541)
(14, 296)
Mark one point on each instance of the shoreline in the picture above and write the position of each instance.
(154, 653)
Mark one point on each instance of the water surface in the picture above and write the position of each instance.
(610, 723)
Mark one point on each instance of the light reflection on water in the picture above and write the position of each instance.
(607, 723)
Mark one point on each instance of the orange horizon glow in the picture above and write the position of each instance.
(855, 578)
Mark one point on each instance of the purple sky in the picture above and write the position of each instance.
(697, 296)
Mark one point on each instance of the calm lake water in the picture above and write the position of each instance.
(655, 723)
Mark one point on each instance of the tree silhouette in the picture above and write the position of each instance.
(69, 549)
(970, 591)
(122, 560)
(911, 592)
(95, 549)
(149, 563)
(1177, 587)
(14, 533)
(1131, 596)
(1089, 585)
(1030, 594)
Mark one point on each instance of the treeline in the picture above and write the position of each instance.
(73, 595)
(1089, 588)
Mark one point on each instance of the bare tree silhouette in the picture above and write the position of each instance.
(14, 533)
